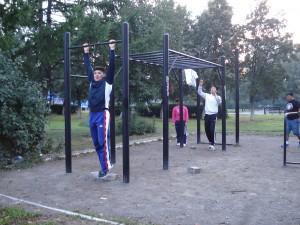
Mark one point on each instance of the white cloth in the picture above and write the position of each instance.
(190, 77)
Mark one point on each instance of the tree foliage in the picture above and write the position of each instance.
(22, 110)
(213, 37)
(32, 32)
(148, 23)
(292, 81)
(265, 49)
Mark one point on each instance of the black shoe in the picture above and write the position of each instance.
(286, 145)
(102, 174)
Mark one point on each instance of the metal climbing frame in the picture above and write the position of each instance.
(169, 59)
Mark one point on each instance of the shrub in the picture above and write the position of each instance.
(58, 109)
(22, 111)
(137, 126)
(143, 110)
(155, 110)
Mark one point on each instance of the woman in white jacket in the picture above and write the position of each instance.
(212, 100)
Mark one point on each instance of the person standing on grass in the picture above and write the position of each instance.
(292, 119)
(98, 99)
(176, 121)
(212, 102)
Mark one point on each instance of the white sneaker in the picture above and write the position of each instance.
(178, 144)
(110, 167)
(212, 147)
(184, 145)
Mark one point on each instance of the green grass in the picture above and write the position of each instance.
(80, 134)
(10, 215)
(57, 122)
(262, 123)
(14, 215)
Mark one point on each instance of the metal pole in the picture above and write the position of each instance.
(284, 140)
(223, 103)
(181, 108)
(237, 97)
(125, 101)
(67, 105)
(112, 126)
(113, 121)
(199, 113)
(166, 102)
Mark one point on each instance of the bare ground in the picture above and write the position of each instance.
(245, 185)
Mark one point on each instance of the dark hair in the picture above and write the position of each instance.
(215, 87)
(99, 68)
(290, 93)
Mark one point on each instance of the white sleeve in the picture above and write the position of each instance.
(218, 99)
(200, 92)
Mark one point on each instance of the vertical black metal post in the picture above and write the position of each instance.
(181, 108)
(165, 101)
(125, 101)
(67, 104)
(199, 113)
(112, 126)
(237, 97)
(223, 103)
(284, 140)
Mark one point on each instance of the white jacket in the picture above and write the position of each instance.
(211, 101)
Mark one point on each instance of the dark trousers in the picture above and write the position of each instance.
(177, 128)
(210, 125)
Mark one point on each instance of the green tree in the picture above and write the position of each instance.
(292, 81)
(213, 37)
(265, 49)
(31, 33)
(22, 110)
(149, 21)
(90, 22)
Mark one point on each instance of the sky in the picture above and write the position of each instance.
(290, 8)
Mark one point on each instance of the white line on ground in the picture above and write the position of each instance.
(61, 210)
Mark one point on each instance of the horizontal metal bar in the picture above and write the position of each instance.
(98, 43)
(289, 113)
(73, 75)
(292, 162)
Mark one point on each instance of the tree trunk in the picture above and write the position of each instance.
(252, 107)
(79, 111)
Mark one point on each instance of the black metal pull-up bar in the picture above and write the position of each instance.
(125, 96)
(98, 43)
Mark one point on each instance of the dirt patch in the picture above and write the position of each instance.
(242, 185)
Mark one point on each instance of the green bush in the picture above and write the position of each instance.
(154, 110)
(143, 110)
(137, 126)
(58, 109)
(22, 111)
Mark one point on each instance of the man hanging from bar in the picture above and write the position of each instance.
(98, 99)
(212, 100)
